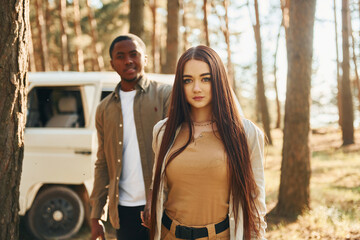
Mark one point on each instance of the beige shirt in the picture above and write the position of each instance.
(255, 140)
(198, 180)
(150, 106)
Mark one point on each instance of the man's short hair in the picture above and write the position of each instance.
(128, 36)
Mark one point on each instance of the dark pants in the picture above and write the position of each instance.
(130, 224)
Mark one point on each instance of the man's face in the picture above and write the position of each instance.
(128, 60)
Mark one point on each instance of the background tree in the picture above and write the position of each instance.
(64, 39)
(205, 22)
(14, 24)
(347, 126)
(294, 190)
(154, 49)
(338, 79)
(260, 88)
(97, 57)
(43, 43)
(278, 108)
(136, 17)
(185, 42)
(172, 36)
(77, 27)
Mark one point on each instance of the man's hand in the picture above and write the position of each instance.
(97, 229)
(145, 217)
(146, 214)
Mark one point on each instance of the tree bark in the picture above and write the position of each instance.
(205, 22)
(64, 38)
(136, 17)
(294, 192)
(346, 96)
(98, 59)
(78, 32)
(44, 52)
(260, 86)
(172, 40)
(338, 79)
(15, 26)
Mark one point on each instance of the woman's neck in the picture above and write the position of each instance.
(201, 115)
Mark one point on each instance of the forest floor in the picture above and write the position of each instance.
(335, 191)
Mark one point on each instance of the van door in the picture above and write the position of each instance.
(60, 149)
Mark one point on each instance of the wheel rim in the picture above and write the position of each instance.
(58, 216)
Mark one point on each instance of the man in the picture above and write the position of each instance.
(124, 123)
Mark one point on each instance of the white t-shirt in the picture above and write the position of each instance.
(131, 184)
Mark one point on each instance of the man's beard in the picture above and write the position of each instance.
(130, 80)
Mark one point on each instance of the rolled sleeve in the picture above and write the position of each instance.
(99, 194)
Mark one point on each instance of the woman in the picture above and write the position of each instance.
(208, 180)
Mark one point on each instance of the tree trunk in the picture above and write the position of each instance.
(99, 61)
(31, 53)
(78, 32)
(346, 101)
(172, 40)
(15, 26)
(136, 17)
(338, 79)
(206, 30)
(154, 49)
(44, 52)
(357, 80)
(64, 39)
(294, 192)
(260, 87)
(278, 109)
(285, 9)
(184, 23)
(226, 32)
(227, 41)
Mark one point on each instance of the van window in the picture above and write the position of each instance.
(55, 107)
(104, 93)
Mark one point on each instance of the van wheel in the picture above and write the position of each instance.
(56, 213)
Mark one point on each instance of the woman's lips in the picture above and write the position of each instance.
(198, 98)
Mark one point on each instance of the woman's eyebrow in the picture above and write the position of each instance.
(204, 74)
(201, 75)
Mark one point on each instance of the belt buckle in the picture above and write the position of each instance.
(184, 232)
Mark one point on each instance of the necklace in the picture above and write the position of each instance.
(202, 124)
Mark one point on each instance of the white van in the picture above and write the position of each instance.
(60, 149)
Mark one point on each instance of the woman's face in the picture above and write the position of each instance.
(197, 84)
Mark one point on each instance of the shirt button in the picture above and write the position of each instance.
(120, 142)
(119, 160)
(117, 195)
(117, 178)
(120, 125)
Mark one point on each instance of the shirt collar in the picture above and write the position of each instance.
(142, 85)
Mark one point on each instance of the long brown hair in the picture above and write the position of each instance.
(231, 131)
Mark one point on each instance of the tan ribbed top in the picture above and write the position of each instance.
(198, 180)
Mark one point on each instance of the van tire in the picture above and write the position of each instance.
(56, 213)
